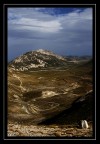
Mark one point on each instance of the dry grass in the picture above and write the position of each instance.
(44, 108)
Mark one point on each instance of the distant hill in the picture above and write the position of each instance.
(37, 59)
(43, 59)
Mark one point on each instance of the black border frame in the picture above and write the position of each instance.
(5, 34)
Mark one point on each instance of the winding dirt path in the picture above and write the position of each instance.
(22, 88)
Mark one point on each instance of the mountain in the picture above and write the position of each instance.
(77, 59)
(36, 60)
(44, 88)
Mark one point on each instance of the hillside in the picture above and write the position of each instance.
(59, 93)
(37, 60)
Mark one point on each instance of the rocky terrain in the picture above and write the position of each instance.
(46, 90)
(37, 59)
(49, 131)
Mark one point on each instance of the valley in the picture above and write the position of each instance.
(46, 96)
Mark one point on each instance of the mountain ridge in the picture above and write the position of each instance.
(37, 59)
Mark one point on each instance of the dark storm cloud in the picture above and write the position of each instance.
(65, 34)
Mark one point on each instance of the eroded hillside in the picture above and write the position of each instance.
(36, 96)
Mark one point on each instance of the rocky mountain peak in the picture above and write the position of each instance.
(37, 59)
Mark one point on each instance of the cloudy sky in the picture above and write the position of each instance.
(65, 31)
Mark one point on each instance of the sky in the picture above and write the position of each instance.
(65, 31)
